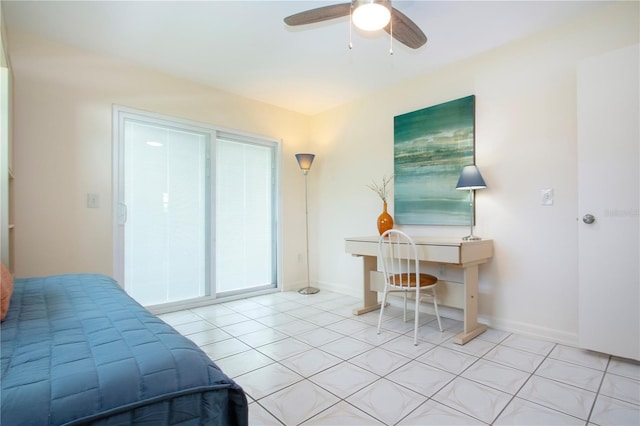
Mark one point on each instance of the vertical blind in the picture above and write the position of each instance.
(245, 215)
(165, 233)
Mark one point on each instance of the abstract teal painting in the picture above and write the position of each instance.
(431, 146)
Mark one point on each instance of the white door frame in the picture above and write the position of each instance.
(120, 113)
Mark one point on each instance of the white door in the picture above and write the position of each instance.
(609, 190)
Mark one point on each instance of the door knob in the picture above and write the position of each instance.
(588, 219)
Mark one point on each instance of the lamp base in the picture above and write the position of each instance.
(471, 238)
(308, 290)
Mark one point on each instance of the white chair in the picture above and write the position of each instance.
(399, 258)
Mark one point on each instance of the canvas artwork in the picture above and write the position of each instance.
(431, 146)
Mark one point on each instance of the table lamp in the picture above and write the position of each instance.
(471, 179)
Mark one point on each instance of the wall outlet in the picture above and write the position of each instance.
(546, 197)
(442, 271)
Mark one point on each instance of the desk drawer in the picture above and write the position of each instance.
(361, 248)
(440, 254)
(426, 252)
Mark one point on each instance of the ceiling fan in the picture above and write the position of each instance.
(363, 13)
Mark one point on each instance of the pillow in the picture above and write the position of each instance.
(6, 289)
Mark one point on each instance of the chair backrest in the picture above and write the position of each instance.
(398, 256)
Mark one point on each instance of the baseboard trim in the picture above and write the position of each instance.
(531, 330)
(523, 328)
(336, 288)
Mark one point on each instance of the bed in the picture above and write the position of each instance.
(76, 349)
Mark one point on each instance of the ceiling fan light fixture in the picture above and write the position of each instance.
(371, 15)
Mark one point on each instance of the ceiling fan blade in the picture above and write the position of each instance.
(318, 15)
(405, 30)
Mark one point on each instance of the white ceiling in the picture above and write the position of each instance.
(244, 47)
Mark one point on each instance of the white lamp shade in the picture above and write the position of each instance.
(371, 15)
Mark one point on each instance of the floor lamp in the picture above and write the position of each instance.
(471, 179)
(304, 161)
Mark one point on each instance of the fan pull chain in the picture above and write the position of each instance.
(391, 35)
(350, 27)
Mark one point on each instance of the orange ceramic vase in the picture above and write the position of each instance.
(385, 221)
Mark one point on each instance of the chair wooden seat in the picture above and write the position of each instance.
(398, 255)
(400, 280)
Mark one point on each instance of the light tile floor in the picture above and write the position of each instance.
(308, 360)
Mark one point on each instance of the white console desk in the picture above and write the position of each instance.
(463, 254)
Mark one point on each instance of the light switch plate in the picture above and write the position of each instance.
(93, 201)
(546, 197)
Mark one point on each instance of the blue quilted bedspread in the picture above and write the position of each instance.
(76, 349)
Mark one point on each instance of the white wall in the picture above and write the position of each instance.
(63, 149)
(525, 142)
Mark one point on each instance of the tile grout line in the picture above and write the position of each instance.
(523, 385)
(595, 400)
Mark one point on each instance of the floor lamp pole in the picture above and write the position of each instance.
(308, 289)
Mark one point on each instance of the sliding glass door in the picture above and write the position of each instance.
(165, 193)
(245, 231)
(195, 210)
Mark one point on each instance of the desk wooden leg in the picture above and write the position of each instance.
(471, 326)
(464, 337)
(370, 296)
